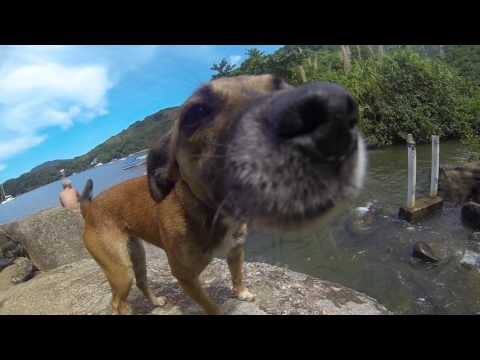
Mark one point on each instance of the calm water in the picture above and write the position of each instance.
(376, 261)
(47, 196)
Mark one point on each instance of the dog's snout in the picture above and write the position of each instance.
(321, 112)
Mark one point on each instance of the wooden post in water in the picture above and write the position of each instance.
(419, 208)
(412, 171)
(435, 165)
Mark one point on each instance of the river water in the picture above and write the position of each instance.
(375, 260)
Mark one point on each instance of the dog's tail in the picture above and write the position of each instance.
(86, 197)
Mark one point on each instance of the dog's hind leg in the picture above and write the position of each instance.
(109, 249)
(137, 255)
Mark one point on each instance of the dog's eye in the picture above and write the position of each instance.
(196, 116)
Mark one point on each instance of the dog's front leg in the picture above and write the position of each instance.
(193, 288)
(235, 259)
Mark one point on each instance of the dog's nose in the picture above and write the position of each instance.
(318, 116)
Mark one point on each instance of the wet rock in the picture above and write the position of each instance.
(475, 236)
(81, 288)
(460, 184)
(362, 220)
(52, 237)
(470, 259)
(423, 251)
(471, 214)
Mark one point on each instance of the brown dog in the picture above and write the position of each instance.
(248, 149)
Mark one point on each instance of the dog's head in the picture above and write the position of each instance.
(258, 149)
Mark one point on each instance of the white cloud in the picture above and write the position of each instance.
(56, 86)
(43, 95)
(19, 144)
(235, 59)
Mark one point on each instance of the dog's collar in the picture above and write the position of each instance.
(187, 190)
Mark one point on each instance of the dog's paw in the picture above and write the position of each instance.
(244, 295)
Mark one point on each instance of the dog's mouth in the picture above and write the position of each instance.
(287, 189)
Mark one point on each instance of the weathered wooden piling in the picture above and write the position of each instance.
(435, 165)
(419, 208)
(412, 171)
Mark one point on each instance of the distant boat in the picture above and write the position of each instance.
(134, 161)
(7, 199)
(3, 197)
(99, 164)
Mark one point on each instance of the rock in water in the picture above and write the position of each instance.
(460, 184)
(52, 237)
(471, 214)
(470, 259)
(423, 251)
(475, 236)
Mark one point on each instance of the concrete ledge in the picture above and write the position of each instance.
(423, 207)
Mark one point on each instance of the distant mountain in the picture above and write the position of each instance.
(52, 163)
(138, 136)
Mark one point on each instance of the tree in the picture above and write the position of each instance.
(441, 50)
(223, 68)
(359, 52)
(381, 50)
(254, 64)
(346, 57)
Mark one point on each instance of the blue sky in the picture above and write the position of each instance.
(58, 102)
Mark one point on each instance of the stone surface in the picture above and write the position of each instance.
(24, 270)
(52, 237)
(237, 307)
(423, 207)
(9, 247)
(19, 271)
(81, 288)
(5, 263)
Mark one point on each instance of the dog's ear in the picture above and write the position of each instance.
(173, 172)
(160, 183)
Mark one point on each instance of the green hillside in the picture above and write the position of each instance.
(138, 136)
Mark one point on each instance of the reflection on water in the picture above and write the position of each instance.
(377, 262)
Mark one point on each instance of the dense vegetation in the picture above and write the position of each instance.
(422, 90)
(136, 137)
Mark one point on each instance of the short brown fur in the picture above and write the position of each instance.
(181, 223)
(186, 218)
